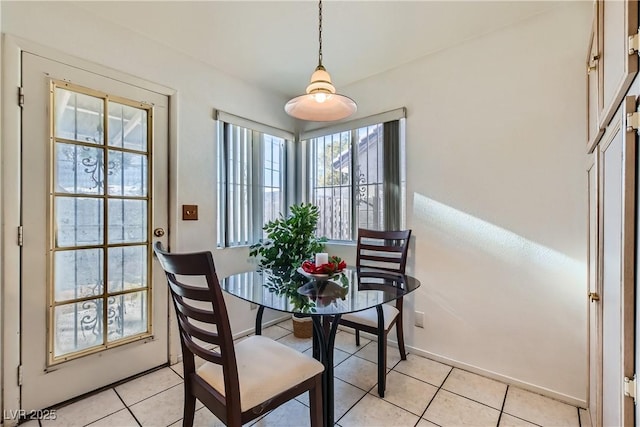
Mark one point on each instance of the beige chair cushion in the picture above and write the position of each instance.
(369, 317)
(266, 368)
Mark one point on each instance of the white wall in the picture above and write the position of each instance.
(496, 181)
(496, 187)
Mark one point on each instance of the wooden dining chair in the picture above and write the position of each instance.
(381, 250)
(238, 382)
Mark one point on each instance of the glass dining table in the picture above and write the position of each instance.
(323, 298)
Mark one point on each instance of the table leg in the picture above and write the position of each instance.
(259, 319)
(323, 343)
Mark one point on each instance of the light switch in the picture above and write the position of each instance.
(190, 212)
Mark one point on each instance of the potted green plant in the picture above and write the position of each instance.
(289, 242)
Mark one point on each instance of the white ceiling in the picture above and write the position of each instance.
(274, 44)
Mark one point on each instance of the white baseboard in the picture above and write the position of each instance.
(571, 400)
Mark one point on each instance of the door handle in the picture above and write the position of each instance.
(594, 296)
(158, 232)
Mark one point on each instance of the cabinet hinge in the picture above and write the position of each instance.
(593, 63)
(20, 236)
(629, 387)
(19, 375)
(633, 121)
(634, 43)
(20, 96)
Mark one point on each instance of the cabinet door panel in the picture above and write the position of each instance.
(594, 132)
(617, 20)
(617, 190)
(594, 311)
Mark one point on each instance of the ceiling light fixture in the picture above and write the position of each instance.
(321, 103)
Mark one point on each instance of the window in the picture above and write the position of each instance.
(251, 179)
(356, 177)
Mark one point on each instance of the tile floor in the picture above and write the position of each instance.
(420, 392)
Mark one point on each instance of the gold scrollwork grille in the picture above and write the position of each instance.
(99, 211)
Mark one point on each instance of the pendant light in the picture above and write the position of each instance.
(321, 103)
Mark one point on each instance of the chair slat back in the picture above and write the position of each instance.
(201, 312)
(383, 250)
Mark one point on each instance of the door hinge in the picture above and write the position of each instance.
(629, 387)
(21, 96)
(633, 121)
(593, 63)
(19, 375)
(634, 43)
(20, 236)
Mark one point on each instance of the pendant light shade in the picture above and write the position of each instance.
(321, 103)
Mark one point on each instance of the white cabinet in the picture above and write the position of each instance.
(611, 63)
(617, 21)
(612, 138)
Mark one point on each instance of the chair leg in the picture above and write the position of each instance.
(315, 403)
(358, 337)
(400, 333)
(382, 362)
(189, 408)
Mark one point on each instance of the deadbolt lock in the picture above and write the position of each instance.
(594, 296)
(158, 232)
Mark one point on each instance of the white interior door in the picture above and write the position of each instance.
(94, 182)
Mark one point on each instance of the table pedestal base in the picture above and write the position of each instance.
(324, 337)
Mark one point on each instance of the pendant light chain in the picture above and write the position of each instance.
(320, 33)
(320, 103)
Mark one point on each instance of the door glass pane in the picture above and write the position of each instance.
(78, 116)
(127, 221)
(79, 169)
(127, 315)
(127, 174)
(127, 268)
(78, 274)
(78, 326)
(127, 127)
(79, 221)
(91, 224)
